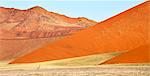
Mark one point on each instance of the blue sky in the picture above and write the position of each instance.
(97, 10)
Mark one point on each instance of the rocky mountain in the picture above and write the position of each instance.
(37, 22)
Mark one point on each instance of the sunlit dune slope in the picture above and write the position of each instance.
(137, 55)
(124, 31)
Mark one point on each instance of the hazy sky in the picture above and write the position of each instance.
(97, 10)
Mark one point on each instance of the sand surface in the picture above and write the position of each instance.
(82, 71)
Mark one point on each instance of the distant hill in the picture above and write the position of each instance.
(37, 22)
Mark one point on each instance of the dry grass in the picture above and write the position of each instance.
(91, 60)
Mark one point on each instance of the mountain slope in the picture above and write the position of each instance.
(37, 22)
(124, 31)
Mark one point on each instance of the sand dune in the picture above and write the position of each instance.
(124, 31)
(137, 55)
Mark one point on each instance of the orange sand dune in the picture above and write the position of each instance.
(125, 31)
(138, 55)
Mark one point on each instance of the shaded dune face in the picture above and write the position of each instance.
(11, 49)
(125, 31)
(137, 55)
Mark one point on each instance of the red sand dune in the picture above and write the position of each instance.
(125, 31)
(138, 55)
